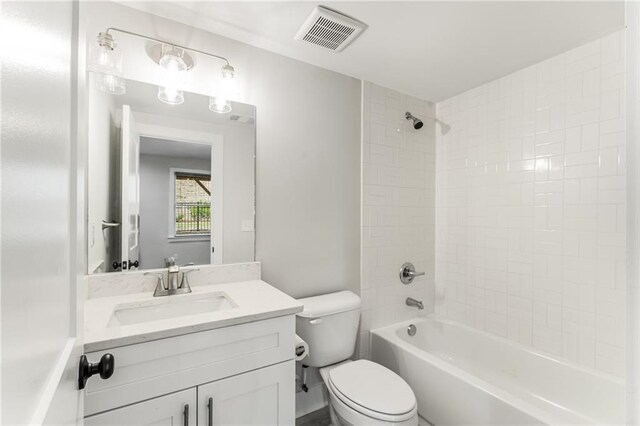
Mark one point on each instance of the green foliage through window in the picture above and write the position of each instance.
(192, 204)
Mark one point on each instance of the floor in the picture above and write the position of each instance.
(322, 418)
(317, 418)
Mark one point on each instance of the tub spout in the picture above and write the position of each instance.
(416, 303)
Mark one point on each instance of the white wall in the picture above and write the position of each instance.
(308, 136)
(239, 192)
(37, 134)
(155, 180)
(531, 206)
(398, 207)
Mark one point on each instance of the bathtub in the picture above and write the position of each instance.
(464, 376)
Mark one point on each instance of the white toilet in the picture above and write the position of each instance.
(361, 392)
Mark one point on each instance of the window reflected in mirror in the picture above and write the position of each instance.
(192, 203)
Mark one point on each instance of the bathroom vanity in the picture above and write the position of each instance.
(173, 184)
(223, 354)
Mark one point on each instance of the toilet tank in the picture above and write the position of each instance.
(329, 325)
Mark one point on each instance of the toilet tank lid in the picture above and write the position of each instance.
(329, 304)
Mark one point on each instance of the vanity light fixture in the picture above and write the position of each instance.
(220, 103)
(174, 70)
(228, 72)
(106, 63)
(170, 95)
(174, 61)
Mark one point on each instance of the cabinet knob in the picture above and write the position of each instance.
(105, 368)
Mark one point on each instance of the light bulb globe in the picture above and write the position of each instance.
(172, 63)
(170, 95)
(219, 105)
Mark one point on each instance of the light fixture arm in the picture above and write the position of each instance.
(222, 58)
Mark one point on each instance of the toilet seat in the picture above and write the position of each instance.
(373, 390)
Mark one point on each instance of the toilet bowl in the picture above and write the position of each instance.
(360, 392)
(365, 393)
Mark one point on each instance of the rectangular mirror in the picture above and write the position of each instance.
(168, 183)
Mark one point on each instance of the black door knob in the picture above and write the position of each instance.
(105, 368)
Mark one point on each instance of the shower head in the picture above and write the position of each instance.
(417, 123)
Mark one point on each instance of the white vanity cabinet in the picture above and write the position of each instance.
(262, 397)
(174, 409)
(247, 370)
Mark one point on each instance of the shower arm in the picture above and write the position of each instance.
(222, 58)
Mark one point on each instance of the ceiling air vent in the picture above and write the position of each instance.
(329, 29)
(241, 119)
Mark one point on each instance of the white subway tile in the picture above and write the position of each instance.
(611, 105)
(590, 136)
(531, 206)
(608, 162)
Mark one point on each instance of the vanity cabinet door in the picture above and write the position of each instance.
(171, 410)
(260, 397)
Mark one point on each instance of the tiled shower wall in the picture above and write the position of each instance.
(398, 207)
(531, 206)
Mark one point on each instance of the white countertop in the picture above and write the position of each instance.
(256, 300)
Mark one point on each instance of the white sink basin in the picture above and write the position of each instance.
(169, 307)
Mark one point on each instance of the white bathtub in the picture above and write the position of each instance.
(464, 376)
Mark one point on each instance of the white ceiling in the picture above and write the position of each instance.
(432, 50)
(173, 149)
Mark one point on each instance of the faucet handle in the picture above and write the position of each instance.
(160, 284)
(185, 281)
(408, 273)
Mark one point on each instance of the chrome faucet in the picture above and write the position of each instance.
(174, 285)
(172, 277)
(415, 303)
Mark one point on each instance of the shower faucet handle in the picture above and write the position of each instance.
(408, 273)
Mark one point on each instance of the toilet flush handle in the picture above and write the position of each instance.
(316, 321)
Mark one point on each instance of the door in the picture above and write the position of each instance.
(130, 187)
(261, 397)
(171, 410)
(42, 210)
